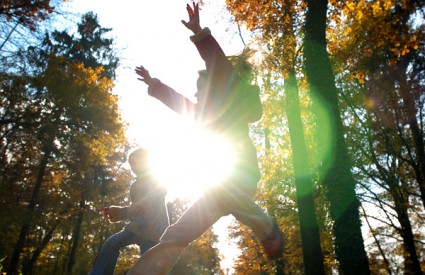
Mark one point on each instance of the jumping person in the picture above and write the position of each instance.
(218, 109)
(147, 214)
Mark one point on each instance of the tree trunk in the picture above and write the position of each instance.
(412, 264)
(336, 168)
(28, 268)
(58, 255)
(310, 236)
(76, 236)
(13, 265)
(417, 134)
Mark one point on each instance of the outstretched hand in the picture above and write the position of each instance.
(136, 210)
(193, 24)
(145, 76)
(112, 213)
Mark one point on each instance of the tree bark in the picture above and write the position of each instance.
(417, 135)
(30, 265)
(335, 168)
(76, 236)
(310, 236)
(412, 264)
(13, 265)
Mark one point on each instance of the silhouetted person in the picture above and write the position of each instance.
(219, 110)
(147, 216)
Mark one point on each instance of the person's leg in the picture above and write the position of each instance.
(107, 259)
(160, 259)
(237, 201)
(246, 211)
(249, 213)
(145, 245)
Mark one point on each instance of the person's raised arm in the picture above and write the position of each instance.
(194, 23)
(218, 66)
(165, 94)
(144, 74)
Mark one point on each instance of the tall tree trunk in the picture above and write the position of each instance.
(417, 134)
(412, 264)
(28, 268)
(13, 265)
(58, 255)
(76, 236)
(420, 157)
(310, 236)
(336, 167)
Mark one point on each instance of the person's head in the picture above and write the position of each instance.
(201, 84)
(244, 70)
(139, 161)
(243, 66)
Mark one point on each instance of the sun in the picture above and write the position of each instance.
(184, 157)
(191, 161)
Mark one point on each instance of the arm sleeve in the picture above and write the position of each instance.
(124, 212)
(219, 68)
(170, 98)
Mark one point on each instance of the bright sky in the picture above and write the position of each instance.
(150, 33)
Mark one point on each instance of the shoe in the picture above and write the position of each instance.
(274, 244)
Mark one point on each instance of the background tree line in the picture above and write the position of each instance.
(341, 142)
(343, 132)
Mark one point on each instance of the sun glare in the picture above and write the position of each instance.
(191, 161)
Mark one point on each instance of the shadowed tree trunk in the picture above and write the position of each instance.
(310, 235)
(408, 96)
(336, 168)
(13, 265)
(28, 268)
(312, 252)
(76, 235)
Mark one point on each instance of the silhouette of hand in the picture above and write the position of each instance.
(104, 212)
(136, 210)
(145, 76)
(193, 24)
(114, 213)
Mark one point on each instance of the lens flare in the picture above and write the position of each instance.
(191, 162)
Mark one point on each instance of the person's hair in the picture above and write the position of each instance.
(243, 67)
(203, 73)
(138, 154)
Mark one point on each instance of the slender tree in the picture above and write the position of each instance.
(336, 167)
(383, 56)
(275, 23)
